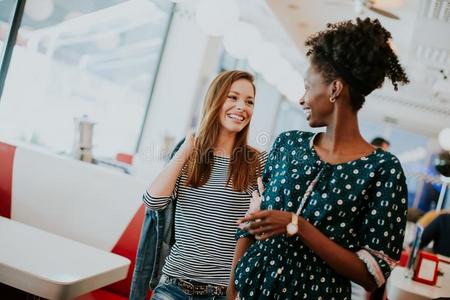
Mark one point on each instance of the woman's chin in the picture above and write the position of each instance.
(235, 128)
(232, 129)
(315, 123)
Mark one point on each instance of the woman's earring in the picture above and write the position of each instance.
(332, 99)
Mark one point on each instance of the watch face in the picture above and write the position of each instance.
(291, 229)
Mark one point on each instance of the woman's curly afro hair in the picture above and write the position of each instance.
(357, 52)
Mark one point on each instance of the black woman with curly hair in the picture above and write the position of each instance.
(334, 207)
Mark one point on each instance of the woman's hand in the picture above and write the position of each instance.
(255, 203)
(187, 147)
(231, 292)
(267, 223)
(257, 197)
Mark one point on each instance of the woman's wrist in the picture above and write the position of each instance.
(292, 227)
(302, 223)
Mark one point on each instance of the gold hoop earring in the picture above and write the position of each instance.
(332, 99)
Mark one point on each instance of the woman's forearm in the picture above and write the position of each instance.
(343, 261)
(269, 223)
(164, 184)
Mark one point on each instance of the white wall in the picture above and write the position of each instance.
(189, 59)
(264, 115)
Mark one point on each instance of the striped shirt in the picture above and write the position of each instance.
(205, 219)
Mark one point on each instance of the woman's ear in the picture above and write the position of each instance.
(335, 88)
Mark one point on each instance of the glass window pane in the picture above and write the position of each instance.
(95, 58)
(7, 9)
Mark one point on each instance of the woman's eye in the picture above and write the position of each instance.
(251, 102)
(232, 97)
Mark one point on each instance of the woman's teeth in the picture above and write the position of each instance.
(235, 117)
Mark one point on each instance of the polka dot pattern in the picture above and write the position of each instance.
(360, 204)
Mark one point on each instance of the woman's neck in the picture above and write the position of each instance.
(342, 135)
(225, 143)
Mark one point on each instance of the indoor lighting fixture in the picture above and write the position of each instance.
(444, 139)
(39, 10)
(215, 16)
(240, 39)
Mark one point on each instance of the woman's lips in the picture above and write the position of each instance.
(236, 117)
(307, 112)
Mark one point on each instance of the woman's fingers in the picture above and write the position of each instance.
(257, 225)
(270, 234)
(260, 186)
(261, 230)
(254, 216)
(256, 196)
(249, 218)
(255, 202)
(267, 229)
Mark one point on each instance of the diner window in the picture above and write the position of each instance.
(10, 14)
(75, 58)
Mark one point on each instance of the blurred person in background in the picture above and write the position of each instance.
(436, 230)
(382, 143)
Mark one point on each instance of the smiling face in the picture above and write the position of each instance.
(316, 100)
(237, 109)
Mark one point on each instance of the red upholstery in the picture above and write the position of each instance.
(127, 247)
(101, 294)
(6, 169)
(404, 258)
(124, 157)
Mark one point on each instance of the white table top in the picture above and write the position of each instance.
(54, 267)
(399, 288)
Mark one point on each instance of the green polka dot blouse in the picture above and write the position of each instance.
(361, 205)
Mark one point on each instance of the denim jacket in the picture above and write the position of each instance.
(157, 237)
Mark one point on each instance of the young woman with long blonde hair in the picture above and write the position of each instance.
(211, 176)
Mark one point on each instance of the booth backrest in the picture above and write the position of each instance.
(6, 170)
(84, 202)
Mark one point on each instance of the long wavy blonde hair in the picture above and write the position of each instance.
(244, 163)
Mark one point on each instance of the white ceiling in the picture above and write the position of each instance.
(422, 40)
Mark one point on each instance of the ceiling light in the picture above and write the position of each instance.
(39, 10)
(262, 55)
(240, 39)
(215, 16)
(444, 139)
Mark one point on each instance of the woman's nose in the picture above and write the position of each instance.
(301, 101)
(240, 105)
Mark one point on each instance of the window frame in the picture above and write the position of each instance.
(11, 38)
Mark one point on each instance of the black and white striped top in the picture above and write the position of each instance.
(205, 219)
